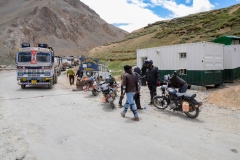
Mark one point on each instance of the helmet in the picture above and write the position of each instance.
(110, 79)
(175, 73)
(137, 69)
(166, 77)
(149, 61)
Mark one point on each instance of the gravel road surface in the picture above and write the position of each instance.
(37, 123)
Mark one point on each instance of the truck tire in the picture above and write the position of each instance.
(55, 79)
(23, 86)
(50, 85)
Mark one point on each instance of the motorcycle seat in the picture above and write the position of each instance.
(186, 95)
(190, 96)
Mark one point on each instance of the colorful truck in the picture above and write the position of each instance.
(35, 66)
(92, 67)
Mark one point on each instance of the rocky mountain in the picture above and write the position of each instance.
(69, 26)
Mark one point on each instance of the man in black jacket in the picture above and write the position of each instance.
(153, 79)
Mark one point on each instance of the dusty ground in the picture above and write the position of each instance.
(226, 95)
(42, 124)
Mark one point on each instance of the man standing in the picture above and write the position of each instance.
(71, 74)
(130, 87)
(136, 97)
(143, 73)
(121, 97)
(153, 79)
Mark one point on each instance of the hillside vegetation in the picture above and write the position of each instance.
(205, 26)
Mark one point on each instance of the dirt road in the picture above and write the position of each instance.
(58, 124)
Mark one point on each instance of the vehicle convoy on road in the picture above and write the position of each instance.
(35, 66)
(183, 102)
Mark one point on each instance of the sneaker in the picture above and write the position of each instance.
(123, 115)
(120, 106)
(140, 108)
(135, 119)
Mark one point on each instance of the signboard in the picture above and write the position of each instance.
(89, 64)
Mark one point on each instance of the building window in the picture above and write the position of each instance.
(182, 71)
(183, 55)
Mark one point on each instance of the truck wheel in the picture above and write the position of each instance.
(55, 79)
(50, 85)
(23, 86)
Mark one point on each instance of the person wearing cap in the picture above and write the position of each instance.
(153, 79)
(130, 87)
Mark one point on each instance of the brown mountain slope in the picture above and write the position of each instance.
(69, 26)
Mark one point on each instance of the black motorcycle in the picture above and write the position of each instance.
(172, 98)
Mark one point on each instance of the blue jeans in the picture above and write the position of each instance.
(130, 101)
(183, 89)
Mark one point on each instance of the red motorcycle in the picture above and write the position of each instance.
(90, 84)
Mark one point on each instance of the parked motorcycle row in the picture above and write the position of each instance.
(107, 89)
(169, 98)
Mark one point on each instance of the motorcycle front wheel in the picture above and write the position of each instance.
(160, 102)
(193, 111)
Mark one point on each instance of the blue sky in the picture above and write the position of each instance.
(131, 15)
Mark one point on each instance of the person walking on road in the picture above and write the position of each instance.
(130, 87)
(71, 75)
(153, 79)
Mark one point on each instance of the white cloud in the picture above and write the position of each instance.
(131, 12)
(180, 10)
(135, 15)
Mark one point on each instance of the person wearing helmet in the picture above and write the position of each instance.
(152, 78)
(178, 82)
(143, 74)
(136, 97)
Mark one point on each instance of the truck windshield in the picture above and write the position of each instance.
(24, 57)
(43, 57)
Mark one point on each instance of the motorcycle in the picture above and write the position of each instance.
(90, 84)
(177, 101)
(109, 94)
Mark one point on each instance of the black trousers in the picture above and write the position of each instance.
(71, 79)
(143, 81)
(153, 90)
(137, 100)
(121, 98)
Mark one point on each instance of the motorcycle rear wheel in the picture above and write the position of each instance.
(160, 102)
(112, 104)
(94, 92)
(193, 111)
